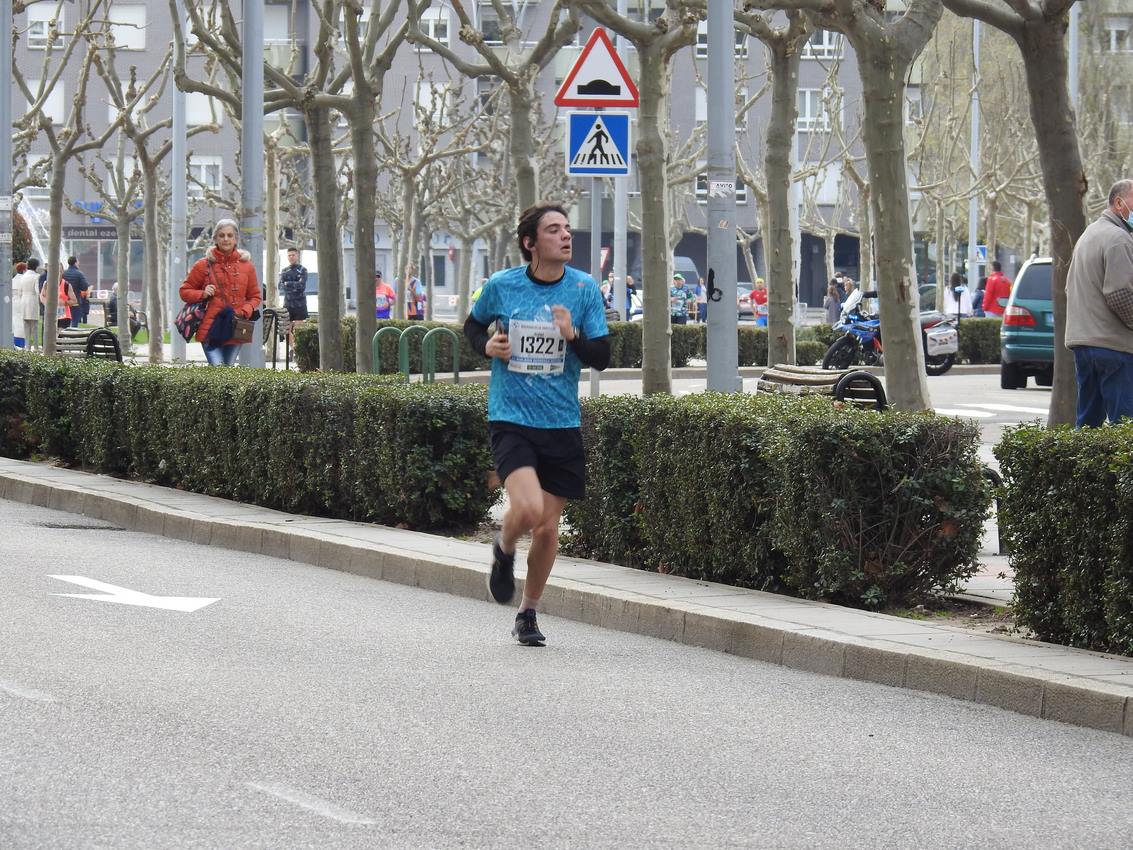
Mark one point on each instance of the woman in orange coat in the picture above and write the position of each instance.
(226, 277)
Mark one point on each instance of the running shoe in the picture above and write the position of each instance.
(501, 581)
(526, 630)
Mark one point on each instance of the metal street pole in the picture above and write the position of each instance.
(6, 216)
(974, 154)
(723, 344)
(621, 205)
(177, 235)
(252, 159)
(595, 259)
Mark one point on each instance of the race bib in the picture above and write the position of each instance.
(537, 348)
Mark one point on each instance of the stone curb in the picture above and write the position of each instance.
(696, 372)
(1004, 683)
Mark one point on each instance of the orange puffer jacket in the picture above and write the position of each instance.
(236, 286)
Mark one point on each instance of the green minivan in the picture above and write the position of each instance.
(1027, 333)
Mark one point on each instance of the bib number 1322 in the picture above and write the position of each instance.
(538, 348)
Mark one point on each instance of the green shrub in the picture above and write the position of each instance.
(979, 340)
(353, 446)
(810, 352)
(823, 334)
(733, 488)
(752, 346)
(15, 441)
(1066, 514)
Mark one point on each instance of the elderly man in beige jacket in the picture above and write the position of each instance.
(1099, 312)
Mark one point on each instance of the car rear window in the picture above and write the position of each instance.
(1035, 283)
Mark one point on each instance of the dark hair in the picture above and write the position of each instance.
(292, 250)
(72, 260)
(996, 266)
(33, 263)
(528, 227)
(955, 280)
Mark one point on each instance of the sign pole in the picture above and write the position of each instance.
(723, 342)
(621, 208)
(595, 260)
(6, 212)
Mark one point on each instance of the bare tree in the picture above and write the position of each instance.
(1039, 27)
(65, 143)
(656, 43)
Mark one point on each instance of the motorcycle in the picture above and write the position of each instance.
(862, 344)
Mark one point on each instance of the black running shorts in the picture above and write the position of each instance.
(556, 454)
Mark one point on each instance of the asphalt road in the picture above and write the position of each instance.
(310, 708)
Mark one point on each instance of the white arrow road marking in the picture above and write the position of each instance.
(312, 803)
(974, 414)
(1009, 408)
(125, 596)
(24, 693)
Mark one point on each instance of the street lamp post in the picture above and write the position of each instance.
(252, 159)
(6, 213)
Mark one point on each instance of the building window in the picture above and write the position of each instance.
(914, 105)
(434, 24)
(277, 24)
(54, 104)
(205, 173)
(1118, 34)
(701, 106)
(40, 16)
(702, 42)
(490, 24)
(813, 116)
(702, 190)
(128, 26)
(1121, 105)
(202, 109)
(823, 44)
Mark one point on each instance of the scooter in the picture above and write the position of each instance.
(862, 344)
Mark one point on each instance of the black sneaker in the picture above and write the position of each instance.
(501, 581)
(526, 630)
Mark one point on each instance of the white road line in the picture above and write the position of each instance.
(1009, 408)
(311, 803)
(972, 414)
(24, 693)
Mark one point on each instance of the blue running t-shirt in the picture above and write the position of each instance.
(546, 396)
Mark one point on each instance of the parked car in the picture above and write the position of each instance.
(743, 300)
(1027, 334)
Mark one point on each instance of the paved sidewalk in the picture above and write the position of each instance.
(1083, 688)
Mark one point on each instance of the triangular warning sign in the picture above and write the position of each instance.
(598, 78)
(598, 149)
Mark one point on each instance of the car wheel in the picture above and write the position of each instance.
(1045, 378)
(1011, 377)
(841, 355)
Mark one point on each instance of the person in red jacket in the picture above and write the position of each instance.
(226, 277)
(998, 286)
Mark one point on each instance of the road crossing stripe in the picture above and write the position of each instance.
(312, 803)
(974, 414)
(1009, 408)
(24, 693)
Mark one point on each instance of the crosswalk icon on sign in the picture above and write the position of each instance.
(598, 143)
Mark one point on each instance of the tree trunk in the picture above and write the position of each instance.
(865, 237)
(271, 224)
(522, 143)
(991, 235)
(326, 227)
(150, 252)
(408, 241)
(365, 255)
(122, 230)
(54, 246)
(783, 59)
(1044, 58)
(1029, 232)
(464, 285)
(657, 263)
(941, 254)
(882, 74)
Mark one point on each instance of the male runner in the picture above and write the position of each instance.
(549, 322)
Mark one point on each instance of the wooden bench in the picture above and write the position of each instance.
(858, 387)
(88, 342)
(277, 329)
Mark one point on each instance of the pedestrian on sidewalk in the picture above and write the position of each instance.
(998, 287)
(226, 278)
(1099, 312)
(25, 294)
(549, 322)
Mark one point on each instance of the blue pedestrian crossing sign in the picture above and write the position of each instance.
(598, 143)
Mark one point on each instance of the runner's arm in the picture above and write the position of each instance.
(594, 353)
(477, 335)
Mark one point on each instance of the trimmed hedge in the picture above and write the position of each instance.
(688, 342)
(356, 447)
(979, 340)
(844, 505)
(1066, 513)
